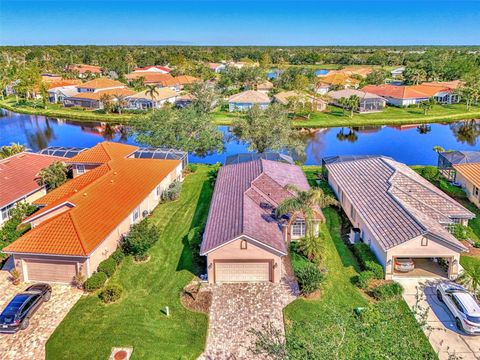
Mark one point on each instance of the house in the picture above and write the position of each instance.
(178, 83)
(49, 78)
(142, 100)
(149, 77)
(322, 88)
(83, 221)
(59, 90)
(285, 97)
(84, 70)
(246, 99)
(468, 176)
(339, 79)
(368, 102)
(452, 85)
(217, 67)
(155, 69)
(412, 95)
(397, 72)
(19, 180)
(184, 100)
(448, 159)
(244, 241)
(398, 213)
(100, 84)
(94, 100)
(246, 157)
(264, 86)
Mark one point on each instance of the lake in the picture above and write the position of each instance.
(410, 144)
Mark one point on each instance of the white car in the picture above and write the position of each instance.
(462, 305)
(404, 264)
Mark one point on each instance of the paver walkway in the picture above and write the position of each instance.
(30, 343)
(444, 336)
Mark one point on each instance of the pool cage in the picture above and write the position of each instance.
(61, 151)
(163, 154)
(447, 159)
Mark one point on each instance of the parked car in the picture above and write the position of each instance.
(404, 264)
(462, 305)
(16, 316)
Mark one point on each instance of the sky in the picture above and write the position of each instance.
(233, 22)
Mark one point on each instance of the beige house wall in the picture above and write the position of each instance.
(49, 214)
(469, 188)
(254, 251)
(88, 167)
(30, 198)
(20, 263)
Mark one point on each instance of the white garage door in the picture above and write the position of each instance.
(242, 271)
(50, 271)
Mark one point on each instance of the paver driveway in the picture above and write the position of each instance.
(445, 338)
(237, 308)
(30, 343)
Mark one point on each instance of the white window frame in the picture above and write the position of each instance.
(299, 229)
(136, 214)
(80, 169)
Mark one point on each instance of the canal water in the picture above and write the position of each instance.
(410, 144)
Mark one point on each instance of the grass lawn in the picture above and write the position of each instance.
(327, 327)
(91, 328)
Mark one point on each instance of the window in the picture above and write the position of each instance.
(424, 241)
(243, 244)
(158, 192)
(475, 190)
(81, 169)
(135, 214)
(353, 213)
(298, 228)
(7, 211)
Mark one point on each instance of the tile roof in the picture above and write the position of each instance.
(346, 93)
(149, 77)
(405, 92)
(470, 171)
(161, 94)
(98, 208)
(338, 79)
(101, 83)
(147, 68)
(18, 175)
(250, 97)
(245, 196)
(98, 94)
(103, 152)
(180, 80)
(63, 83)
(395, 202)
(454, 84)
(284, 96)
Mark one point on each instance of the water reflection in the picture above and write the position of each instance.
(466, 131)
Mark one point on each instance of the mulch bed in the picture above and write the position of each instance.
(196, 299)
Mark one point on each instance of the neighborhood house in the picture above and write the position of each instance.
(285, 97)
(147, 100)
(244, 241)
(398, 214)
(82, 222)
(468, 176)
(367, 102)
(247, 99)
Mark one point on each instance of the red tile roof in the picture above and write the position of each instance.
(63, 82)
(98, 208)
(149, 77)
(101, 83)
(103, 152)
(405, 92)
(147, 68)
(18, 174)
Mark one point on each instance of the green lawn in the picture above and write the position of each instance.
(91, 328)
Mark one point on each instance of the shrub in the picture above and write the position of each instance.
(191, 168)
(376, 269)
(367, 260)
(364, 278)
(173, 191)
(387, 291)
(140, 238)
(111, 293)
(430, 173)
(309, 278)
(118, 256)
(108, 267)
(95, 282)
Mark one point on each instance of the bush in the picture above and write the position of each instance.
(118, 256)
(140, 238)
(309, 278)
(387, 291)
(364, 278)
(191, 168)
(111, 293)
(173, 191)
(367, 260)
(95, 282)
(430, 173)
(453, 191)
(107, 266)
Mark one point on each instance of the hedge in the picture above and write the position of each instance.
(95, 282)
(111, 293)
(309, 278)
(118, 256)
(107, 266)
(387, 291)
(364, 278)
(367, 260)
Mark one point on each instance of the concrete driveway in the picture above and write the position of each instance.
(439, 325)
(30, 343)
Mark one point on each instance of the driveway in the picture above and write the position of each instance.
(440, 325)
(30, 343)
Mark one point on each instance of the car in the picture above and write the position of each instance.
(16, 316)
(404, 264)
(462, 305)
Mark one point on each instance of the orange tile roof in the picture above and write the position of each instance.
(180, 80)
(18, 175)
(470, 171)
(453, 85)
(339, 79)
(63, 82)
(101, 83)
(103, 152)
(149, 77)
(402, 92)
(98, 95)
(98, 209)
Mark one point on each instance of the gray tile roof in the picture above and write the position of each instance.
(396, 203)
(244, 199)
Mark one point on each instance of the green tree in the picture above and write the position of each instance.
(205, 98)
(427, 105)
(184, 129)
(120, 102)
(44, 94)
(438, 149)
(12, 149)
(106, 101)
(54, 175)
(470, 94)
(414, 75)
(471, 277)
(351, 104)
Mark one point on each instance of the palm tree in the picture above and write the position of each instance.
(152, 91)
(12, 149)
(353, 103)
(120, 101)
(303, 204)
(471, 278)
(427, 105)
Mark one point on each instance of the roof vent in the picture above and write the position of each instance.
(75, 190)
(114, 173)
(111, 181)
(84, 194)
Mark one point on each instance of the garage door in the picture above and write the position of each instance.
(49, 271)
(242, 271)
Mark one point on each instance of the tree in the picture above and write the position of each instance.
(265, 130)
(427, 105)
(106, 101)
(120, 102)
(471, 277)
(54, 175)
(376, 77)
(44, 94)
(12, 149)
(438, 149)
(303, 204)
(205, 98)
(414, 76)
(470, 94)
(301, 105)
(352, 104)
(152, 91)
(184, 129)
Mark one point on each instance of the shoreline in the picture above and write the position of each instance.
(318, 120)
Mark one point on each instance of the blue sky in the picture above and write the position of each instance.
(232, 22)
